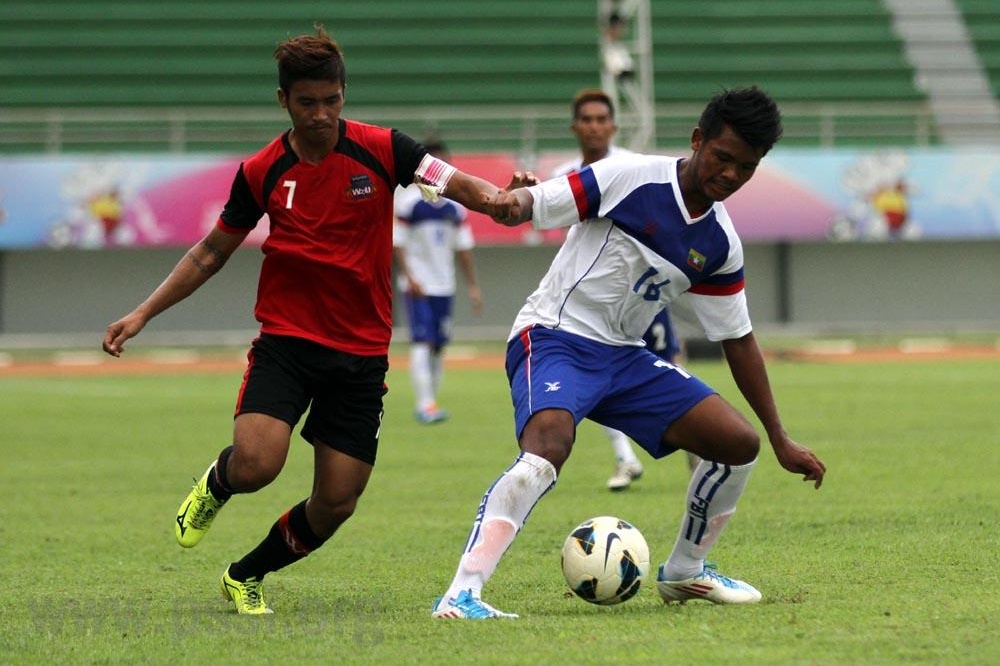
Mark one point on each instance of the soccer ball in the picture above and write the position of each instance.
(605, 560)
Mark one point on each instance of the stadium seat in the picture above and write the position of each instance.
(488, 54)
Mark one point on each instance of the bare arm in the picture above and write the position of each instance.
(485, 197)
(200, 263)
(471, 191)
(468, 268)
(746, 362)
(399, 254)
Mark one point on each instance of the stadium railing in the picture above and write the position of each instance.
(523, 130)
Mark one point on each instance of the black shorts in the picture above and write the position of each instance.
(342, 391)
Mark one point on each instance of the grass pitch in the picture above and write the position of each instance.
(896, 560)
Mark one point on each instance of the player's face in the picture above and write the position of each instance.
(594, 127)
(720, 166)
(314, 107)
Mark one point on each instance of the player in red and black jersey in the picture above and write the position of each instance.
(324, 303)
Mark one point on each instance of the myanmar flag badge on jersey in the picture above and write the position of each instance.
(696, 259)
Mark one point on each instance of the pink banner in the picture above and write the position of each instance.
(119, 201)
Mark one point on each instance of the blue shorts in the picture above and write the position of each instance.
(430, 319)
(626, 388)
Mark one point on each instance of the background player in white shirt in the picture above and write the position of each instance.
(646, 229)
(429, 237)
(594, 128)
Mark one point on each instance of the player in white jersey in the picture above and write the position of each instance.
(428, 238)
(594, 128)
(646, 230)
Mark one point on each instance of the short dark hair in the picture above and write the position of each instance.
(750, 112)
(311, 57)
(591, 95)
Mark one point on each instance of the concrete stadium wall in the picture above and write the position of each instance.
(47, 296)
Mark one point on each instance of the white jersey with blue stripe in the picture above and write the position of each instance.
(430, 233)
(632, 248)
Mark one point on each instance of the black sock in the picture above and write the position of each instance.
(289, 540)
(218, 483)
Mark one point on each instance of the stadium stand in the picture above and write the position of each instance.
(205, 69)
(982, 17)
(949, 70)
(112, 53)
(496, 72)
(839, 50)
(808, 55)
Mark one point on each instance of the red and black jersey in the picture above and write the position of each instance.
(326, 275)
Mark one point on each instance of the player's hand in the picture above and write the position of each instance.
(797, 459)
(120, 331)
(475, 299)
(521, 179)
(505, 208)
(415, 288)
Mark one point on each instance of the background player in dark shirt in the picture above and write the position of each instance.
(324, 303)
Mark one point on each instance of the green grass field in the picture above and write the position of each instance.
(896, 560)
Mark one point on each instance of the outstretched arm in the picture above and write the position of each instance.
(481, 195)
(436, 178)
(200, 263)
(746, 362)
(471, 191)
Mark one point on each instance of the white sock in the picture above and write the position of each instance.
(692, 462)
(437, 370)
(501, 515)
(420, 374)
(711, 501)
(621, 445)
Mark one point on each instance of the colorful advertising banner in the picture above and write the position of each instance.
(121, 201)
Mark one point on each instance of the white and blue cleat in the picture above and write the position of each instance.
(466, 606)
(709, 585)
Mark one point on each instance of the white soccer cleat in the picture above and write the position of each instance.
(625, 474)
(709, 585)
(466, 606)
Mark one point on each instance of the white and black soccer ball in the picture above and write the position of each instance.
(605, 560)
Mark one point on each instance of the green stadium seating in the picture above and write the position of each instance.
(113, 54)
(838, 50)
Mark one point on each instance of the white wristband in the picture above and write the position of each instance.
(432, 177)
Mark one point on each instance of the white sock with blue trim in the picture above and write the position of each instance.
(501, 515)
(711, 501)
